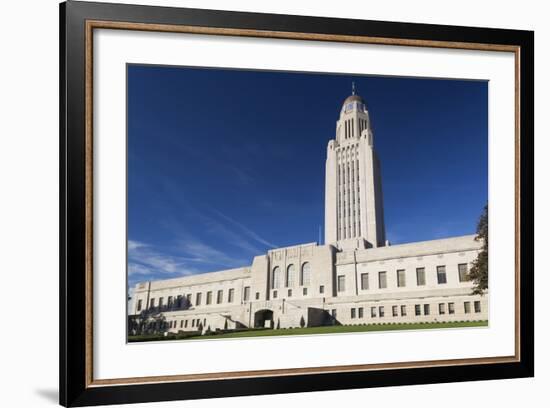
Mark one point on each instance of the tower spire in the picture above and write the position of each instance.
(352, 87)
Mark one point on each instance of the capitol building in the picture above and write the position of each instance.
(356, 277)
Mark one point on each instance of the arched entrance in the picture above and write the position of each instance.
(263, 318)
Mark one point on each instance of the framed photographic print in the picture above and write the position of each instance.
(256, 204)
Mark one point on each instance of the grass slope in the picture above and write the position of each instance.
(309, 330)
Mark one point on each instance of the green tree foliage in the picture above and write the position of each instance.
(479, 270)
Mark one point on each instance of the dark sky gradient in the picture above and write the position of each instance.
(225, 164)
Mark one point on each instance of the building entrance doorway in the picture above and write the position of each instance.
(263, 318)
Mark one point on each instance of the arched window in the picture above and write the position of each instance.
(276, 279)
(305, 277)
(290, 276)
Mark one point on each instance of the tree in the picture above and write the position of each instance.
(479, 270)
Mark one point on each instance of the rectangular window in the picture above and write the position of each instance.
(246, 296)
(198, 299)
(193, 323)
(341, 283)
(321, 289)
(382, 280)
(189, 298)
(181, 324)
(209, 297)
(442, 308)
(417, 310)
(360, 312)
(219, 298)
(230, 295)
(403, 310)
(394, 311)
(463, 272)
(333, 313)
(401, 278)
(170, 300)
(451, 308)
(381, 311)
(257, 295)
(152, 302)
(290, 293)
(426, 309)
(161, 302)
(139, 305)
(353, 313)
(185, 324)
(420, 276)
(372, 312)
(477, 306)
(467, 307)
(304, 291)
(364, 281)
(441, 274)
(274, 294)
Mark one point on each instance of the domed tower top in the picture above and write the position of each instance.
(354, 122)
(353, 102)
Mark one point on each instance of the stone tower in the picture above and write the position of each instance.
(354, 213)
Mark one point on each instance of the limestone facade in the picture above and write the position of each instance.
(312, 285)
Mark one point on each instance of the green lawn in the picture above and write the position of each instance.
(309, 330)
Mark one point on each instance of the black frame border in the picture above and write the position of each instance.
(72, 124)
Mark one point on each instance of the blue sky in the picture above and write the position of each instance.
(226, 164)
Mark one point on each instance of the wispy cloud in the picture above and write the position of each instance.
(193, 256)
(241, 174)
(228, 159)
(199, 252)
(133, 245)
(221, 242)
(247, 231)
(218, 230)
(143, 259)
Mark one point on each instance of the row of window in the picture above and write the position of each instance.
(351, 151)
(305, 278)
(349, 125)
(304, 292)
(401, 310)
(290, 277)
(441, 271)
(181, 301)
(173, 324)
(183, 324)
(349, 226)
